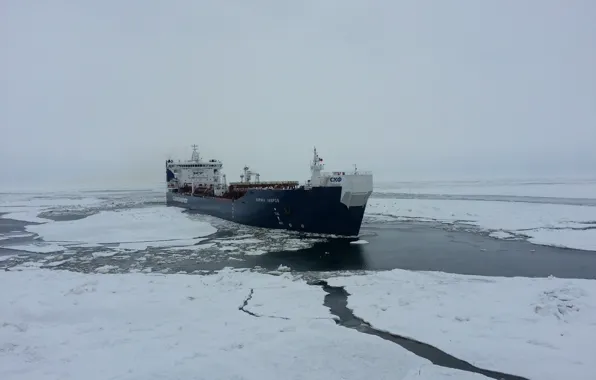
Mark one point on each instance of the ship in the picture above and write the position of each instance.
(330, 203)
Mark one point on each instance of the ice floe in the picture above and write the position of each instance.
(267, 241)
(550, 224)
(561, 188)
(58, 324)
(540, 328)
(36, 247)
(14, 235)
(136, 228)
(27, 207)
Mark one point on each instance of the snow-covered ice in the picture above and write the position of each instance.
(554, 224)
(557, 188)
(501, 235)
(63, 325)
(136, 228)
(6, 257)
(53, 200)
(26, 207)
(25, 214)
(540, 328)
(14, 235)
(579, 239)
(128, 229)
(36, 247)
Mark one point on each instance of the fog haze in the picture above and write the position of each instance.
(103, 92)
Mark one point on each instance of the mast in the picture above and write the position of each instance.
(315, 168)
(195, 154)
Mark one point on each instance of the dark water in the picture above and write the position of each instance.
(422, 247)
(9, 225)
(412, 246)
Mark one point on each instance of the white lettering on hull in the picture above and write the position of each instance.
(180, 199)
(267, 200)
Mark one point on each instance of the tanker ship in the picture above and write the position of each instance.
(327, 203)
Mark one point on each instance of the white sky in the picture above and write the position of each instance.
(102, 91)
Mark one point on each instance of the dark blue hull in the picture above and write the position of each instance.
(316, 210)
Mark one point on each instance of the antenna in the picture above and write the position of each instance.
(195, 155)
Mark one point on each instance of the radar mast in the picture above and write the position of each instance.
(195, 154)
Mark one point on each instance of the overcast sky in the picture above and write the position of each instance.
(103, 91)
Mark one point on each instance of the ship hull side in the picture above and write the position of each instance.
(316, 210)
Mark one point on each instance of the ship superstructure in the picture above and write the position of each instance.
(329, 202)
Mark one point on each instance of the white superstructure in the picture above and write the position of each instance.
(196, 175)
(356, 186)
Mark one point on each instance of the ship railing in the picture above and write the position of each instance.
(336, 173)
(263, 183)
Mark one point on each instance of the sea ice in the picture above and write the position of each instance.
(59, 324)
(540, 328)
(13, 235)
(133, 228)
(562, 188)
(551, 224)
(579, 239)
(26, 207)
(270, 241)
(37, 247)
(24, 214)
(53, 200)
(7, 257)
(501, 235)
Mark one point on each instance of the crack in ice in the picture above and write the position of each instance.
(337, 302)
(245, 304)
